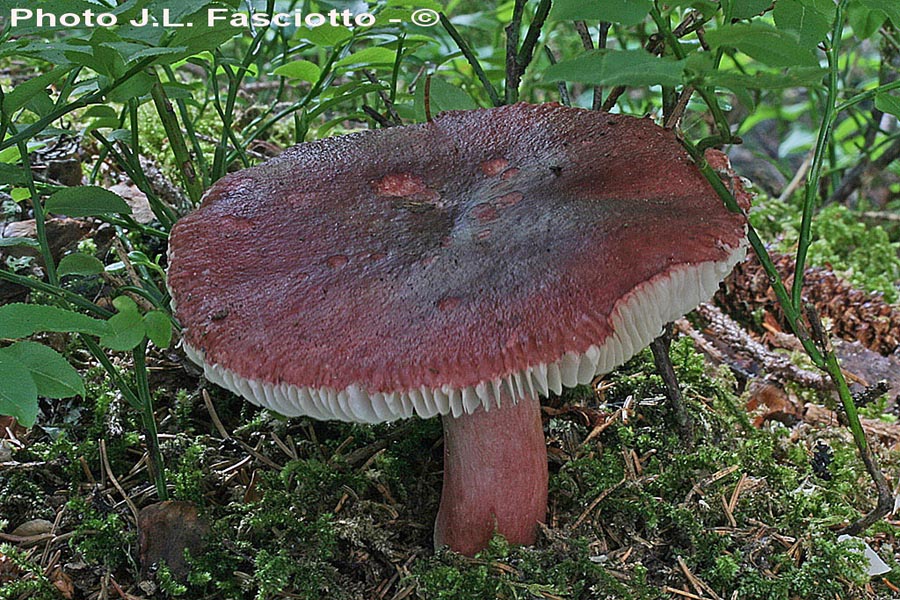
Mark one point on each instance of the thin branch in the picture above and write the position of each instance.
(560, 85)
(472, 59)
(388, 103)
(513, 75)
(660, 349)
(853, 179)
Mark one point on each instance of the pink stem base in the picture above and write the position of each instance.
(495, 477)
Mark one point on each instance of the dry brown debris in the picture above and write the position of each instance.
(854, 314)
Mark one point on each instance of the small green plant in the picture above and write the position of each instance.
(101, 536)
(30, 582)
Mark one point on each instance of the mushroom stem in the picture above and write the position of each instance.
(495, 477)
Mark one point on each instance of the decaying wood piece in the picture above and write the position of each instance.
(778, 367)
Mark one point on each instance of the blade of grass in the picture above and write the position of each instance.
(822, 142)
(186, 170)
(472, 59)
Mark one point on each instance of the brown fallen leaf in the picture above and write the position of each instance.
(63, 583)
(165, 530)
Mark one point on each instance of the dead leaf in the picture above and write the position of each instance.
(165, 530)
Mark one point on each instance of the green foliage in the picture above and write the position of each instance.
(86, 201)
(186, 475)
(22, 320)
(31, 582)
(180, 95)
(167, 582)
(618, 67)
(101, 537)
(862, 254)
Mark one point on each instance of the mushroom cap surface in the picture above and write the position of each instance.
(424, 269)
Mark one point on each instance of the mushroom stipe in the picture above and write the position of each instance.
(462, 267)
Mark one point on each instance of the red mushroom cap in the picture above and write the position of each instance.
(432, 268)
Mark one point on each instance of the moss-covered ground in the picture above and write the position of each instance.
(305, 509)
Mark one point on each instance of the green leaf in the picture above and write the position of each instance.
(25, 91)
(764, 80)
(324, 36)
(889, 7)
(101, 111)
(763, 42)
(626, 12)
(21, 320)
(12, 174)
(374, 55)
(159, 328)
(41, 104)
(86, 201)
(887, 103)
(18, 394)
(202, 37)
(12, 155)
(126, 328)
(618, 67)
(442, 96)
(809, 19)
(20, 193)
(747, 9)
(300, 69)
(53, 376)
(134, 87)
(19, 241)
(79, 263)
(864, 21)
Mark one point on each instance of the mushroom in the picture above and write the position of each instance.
(463, 268)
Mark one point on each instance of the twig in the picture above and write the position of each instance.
(588, 44)
(560, 85)
(392, 112)
(377, 116)
(852, 180)
(207, 401)
(679, 108)
(695, 581)
(697, 488)
(602, 36)
(881, 216)
(526, 52)
(602, 426)
(427, 98)
(112, 477)
(684, 594)
(473, 60)
(660, 348)
(513, 75)
(586, 41)
(518, 60)
(780, 367)
(603, 495)
(799, 178)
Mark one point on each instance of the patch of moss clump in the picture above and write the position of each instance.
(641, 499)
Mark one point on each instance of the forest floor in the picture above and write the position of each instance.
(746, 505)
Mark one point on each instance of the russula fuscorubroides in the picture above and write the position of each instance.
(461, 267)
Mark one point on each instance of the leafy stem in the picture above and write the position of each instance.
(823, 138)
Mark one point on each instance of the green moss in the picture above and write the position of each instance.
(187, 475)
(503, 572)
(863, 254)
(101, 536)
(30, 582)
